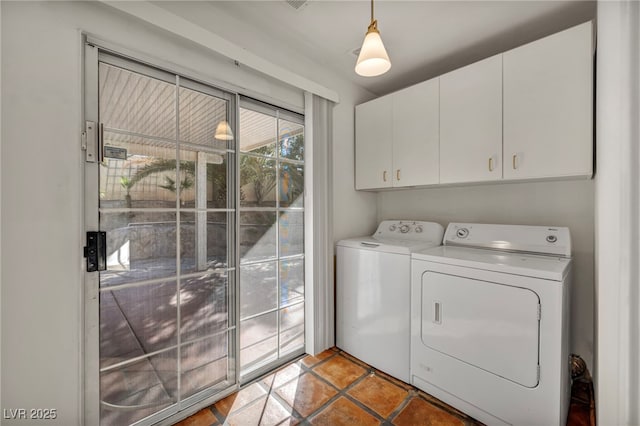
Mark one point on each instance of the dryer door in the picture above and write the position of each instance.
(491, 326)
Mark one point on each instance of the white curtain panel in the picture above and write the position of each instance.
(617, 372)
(319, 286)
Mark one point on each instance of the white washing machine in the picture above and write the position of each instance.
(490, 322)
(373, 287)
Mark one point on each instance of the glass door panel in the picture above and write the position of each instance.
(258, 181)
(137, 320)
(167, 205)
(291, 328)
(165, 190)
(258, 341)
(291, 185)
(290, 140)
(259, 289)
(137, 247)
(211, 246)
(258, 133)
(291, 231)
(291, 281)
(203, 306)
(144, 385)
(204, 363)
(271, 238)
(257, 236)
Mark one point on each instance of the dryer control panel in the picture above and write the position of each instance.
(544, 240)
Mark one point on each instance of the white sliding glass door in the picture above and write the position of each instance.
(162, 185)
(195, 241)
(271, 237)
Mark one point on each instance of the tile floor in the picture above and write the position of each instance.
(334, 388)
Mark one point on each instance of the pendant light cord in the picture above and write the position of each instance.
(373, 25)
(371, 10)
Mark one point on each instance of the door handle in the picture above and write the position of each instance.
(101, 142)
(398, 174)
(96, 251)
(490, 164)
(515, 156)
(437, 313)
(384, 176)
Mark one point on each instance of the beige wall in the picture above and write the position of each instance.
(562, 203)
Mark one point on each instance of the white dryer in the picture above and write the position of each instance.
(373, 286)
(490, 322)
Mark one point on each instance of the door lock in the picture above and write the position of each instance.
(95, 251)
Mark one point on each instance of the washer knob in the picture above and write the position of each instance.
(552, 238)
(404, 228)
(419, 229)
(392, 228)
(462, 233)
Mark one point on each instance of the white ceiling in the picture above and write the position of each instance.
(423, 38)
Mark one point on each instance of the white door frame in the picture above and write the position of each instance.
(617, 204)
(91, 334)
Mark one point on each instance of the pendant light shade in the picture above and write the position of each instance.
(373, 59)
(223, 131)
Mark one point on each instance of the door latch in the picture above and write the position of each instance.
(95, 251)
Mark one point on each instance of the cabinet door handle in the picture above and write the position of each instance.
(384, 176)
(398, 174)
(515, 156)
(490, 164)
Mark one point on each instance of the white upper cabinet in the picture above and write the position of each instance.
(374, 152)
(548, 106)
(523, 114)
(416, 135)
(397, 139)
(471, 123)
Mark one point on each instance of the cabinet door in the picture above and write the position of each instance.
(373, 144)
(416, 135)
(471, 123)
(548, 106)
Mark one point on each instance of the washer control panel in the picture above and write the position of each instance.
(414, 230)
(545, 240)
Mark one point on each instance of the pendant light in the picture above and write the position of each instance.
(373, 59)
(223, 131)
